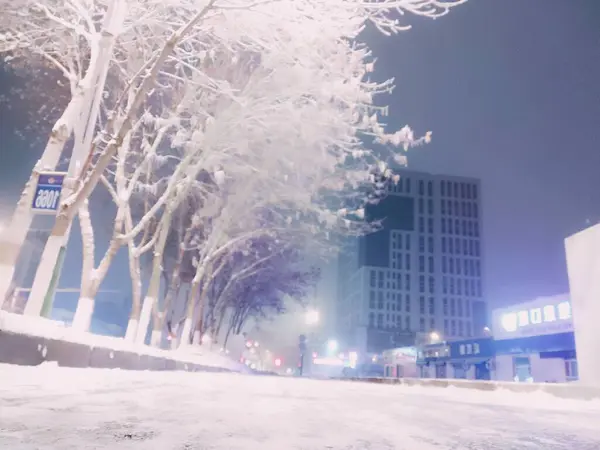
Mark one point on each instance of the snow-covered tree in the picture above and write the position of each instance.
(255, 283)
(332, 21)
(260, 109)
(271, 99)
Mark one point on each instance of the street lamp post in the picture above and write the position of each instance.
(311, 319)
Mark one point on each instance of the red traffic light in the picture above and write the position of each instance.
(278, 362)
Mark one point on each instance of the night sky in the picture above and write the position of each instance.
(511, 91)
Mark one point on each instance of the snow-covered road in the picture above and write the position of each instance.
(55, 408)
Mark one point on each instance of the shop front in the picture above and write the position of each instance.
(535, 342)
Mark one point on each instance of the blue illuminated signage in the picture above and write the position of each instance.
(534, 316)
(47, 192)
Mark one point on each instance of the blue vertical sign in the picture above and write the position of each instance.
(47, 192)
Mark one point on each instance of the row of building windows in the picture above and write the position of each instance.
(430, 284)
(452, 286)
(391, 281)
(465, 227)
(465, 266)
(447, 188)
(430, 305)
(380, 302)
(450, 208)
(458, 190)
(397, 281)
(453, 307)
(452, 327)
(387, 321)
(430, 264)
(403, 186)
(430, 228)
(397, 261)
(457, 328)
(421, 208)
(400, 241)
(464, 209)
(470, 247)
(429, 244)
(429, 188)
(391, 321)
(456, 307)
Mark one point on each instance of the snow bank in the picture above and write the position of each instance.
(55, 330)
(574, 391)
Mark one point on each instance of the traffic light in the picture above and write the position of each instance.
(277, 362)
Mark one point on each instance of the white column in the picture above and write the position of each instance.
(583, 266)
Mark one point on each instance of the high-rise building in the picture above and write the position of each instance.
(420, 273)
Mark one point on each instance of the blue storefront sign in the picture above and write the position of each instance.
(472, 348)
(537, 344)
(47, 192)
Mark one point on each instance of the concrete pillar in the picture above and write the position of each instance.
(583, 265)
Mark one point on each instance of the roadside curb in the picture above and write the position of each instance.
(567, 391)
(26, 350)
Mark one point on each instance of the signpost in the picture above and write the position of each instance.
(47, 192)
(302, 347)
(46, 200)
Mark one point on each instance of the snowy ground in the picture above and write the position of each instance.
(57, 408)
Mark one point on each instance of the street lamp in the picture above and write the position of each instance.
(434, 337)
(312, 317)
(332, 345)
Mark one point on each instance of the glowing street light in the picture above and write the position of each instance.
(434, 336)
(332, 345)
(312, 317)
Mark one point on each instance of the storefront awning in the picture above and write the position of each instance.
(536, 344)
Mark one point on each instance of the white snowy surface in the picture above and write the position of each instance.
(54, 329)
(48, 407)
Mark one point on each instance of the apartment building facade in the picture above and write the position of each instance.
(421, 272)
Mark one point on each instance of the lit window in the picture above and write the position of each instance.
(523, 318)
(549, 313)
(536, 315)
(564, 310)
(509, 322)
(469, 349)
(476, 348)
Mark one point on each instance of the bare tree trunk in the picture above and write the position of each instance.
(187, 324)
(136, 293)
(160, 314)
(172, 287)
(85, 306)
(91, 278)
(154, 286)
(222, 315)
(231, 327)
(227, 336)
